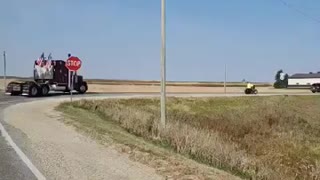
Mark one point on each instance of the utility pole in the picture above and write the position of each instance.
(4, 70)
(163, 64)
(225, 78)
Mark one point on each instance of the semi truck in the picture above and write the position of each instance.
(48, 76)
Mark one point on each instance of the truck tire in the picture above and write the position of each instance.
(45, 90)
(33, 90)
(247, 91)
(314, 88)
(82, 88)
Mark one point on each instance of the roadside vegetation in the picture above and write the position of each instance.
(253, 137)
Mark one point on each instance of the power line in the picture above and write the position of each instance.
(299, 11)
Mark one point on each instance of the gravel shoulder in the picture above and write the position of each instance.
(60, 152)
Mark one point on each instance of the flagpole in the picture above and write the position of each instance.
(69, 78)
(4, 70)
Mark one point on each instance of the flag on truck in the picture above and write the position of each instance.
(40, 59)
(49, 61)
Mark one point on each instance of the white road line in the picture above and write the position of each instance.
(23, 157)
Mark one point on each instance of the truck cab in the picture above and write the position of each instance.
(48, 76)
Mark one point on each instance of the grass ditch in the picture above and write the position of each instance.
(158, 156)
(252, 137)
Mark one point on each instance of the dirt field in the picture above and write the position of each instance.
(113, 88)
(182, 89)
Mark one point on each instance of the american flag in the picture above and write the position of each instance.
(49, 61)
(40, 59)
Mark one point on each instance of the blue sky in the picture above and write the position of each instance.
(120, 39)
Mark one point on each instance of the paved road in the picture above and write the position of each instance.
(13, 168)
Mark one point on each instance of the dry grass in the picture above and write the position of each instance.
(255, 137)
(165, 161)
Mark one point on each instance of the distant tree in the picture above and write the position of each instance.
(278, 75)
(281, 79)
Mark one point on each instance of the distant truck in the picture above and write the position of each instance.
(48, 76)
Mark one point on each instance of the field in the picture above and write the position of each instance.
(171, 83)
(125, 86)
(251, 137)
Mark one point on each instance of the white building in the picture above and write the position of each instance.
(303, 80)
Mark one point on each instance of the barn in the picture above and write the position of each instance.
(303, 80)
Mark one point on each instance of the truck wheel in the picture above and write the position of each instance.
(45, 90)
(83, 88)
(33, 90)
(313, 89)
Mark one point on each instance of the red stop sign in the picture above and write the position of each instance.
(73, 63)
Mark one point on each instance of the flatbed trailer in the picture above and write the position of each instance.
(48, 76)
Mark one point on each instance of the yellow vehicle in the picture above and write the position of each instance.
(250, 89)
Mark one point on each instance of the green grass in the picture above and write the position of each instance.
(254, 137)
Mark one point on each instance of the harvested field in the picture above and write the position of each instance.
(172, 83)
(183, 89)
(153, 83)
(252, 137)
(114, 86)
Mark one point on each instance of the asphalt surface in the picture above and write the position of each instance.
(13, 168)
